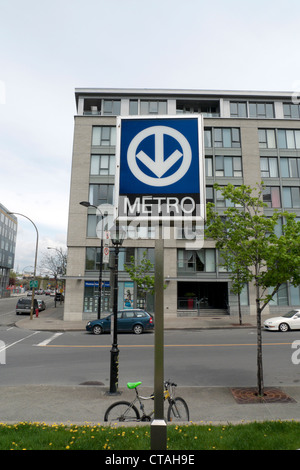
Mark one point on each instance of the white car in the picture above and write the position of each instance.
(288, 321)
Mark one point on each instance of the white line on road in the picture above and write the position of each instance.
(47, 341)
(16, 342)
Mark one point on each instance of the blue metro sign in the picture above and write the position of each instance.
(158, 159)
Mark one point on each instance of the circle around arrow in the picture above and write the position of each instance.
(159, 181)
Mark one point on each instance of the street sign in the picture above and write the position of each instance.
(105, 254)
(33, 284)
(160, 167)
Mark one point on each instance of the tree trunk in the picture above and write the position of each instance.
(240, 312)
(260, 380)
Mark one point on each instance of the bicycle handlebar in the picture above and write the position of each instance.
(167, 382)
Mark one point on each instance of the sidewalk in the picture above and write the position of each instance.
(51, 319)
(84, 404)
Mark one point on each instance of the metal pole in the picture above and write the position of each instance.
(158, 425)
(114, 352)
(100, 276)
(55, 290)
(35, 259)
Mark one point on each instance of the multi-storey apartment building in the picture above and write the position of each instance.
(8, 237)
(248, 137)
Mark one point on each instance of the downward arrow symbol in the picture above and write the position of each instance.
(159, 166)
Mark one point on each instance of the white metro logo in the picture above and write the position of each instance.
(161, 163)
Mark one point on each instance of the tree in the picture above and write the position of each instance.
(253, 251)
(54, 261)
(141, 274)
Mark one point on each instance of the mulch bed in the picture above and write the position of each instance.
(271, 395)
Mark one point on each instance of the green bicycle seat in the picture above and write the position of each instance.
(132, 385)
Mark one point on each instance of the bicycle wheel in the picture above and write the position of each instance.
(121, 411)
(178, 410)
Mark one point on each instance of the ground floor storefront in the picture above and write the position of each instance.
(194, 284)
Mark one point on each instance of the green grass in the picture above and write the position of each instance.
(268, 435)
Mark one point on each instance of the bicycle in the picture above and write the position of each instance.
(124, 411)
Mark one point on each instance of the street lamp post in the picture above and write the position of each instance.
(35, 259)
(88, 204)
(117, 238)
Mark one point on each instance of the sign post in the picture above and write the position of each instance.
(158, 425)
(160, 177)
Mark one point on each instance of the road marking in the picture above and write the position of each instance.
(47, 341)
(16, 342)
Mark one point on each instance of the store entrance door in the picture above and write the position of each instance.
(203, 295)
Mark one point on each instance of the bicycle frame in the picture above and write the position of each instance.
(138, 398)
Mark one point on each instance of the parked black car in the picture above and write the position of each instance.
(24, 305)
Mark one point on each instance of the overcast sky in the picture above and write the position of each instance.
(49, 48)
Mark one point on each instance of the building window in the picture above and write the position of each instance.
(111, 107)
(196, 261)
(228, 166)
(101, 194)
(266, 138)
(103, 136)
(269, 167)
(290, 167)
(208, 166)
(221, 201)
(208, 138)
(291, 111)
(261, 110)
(147, 107)
(295, 295)
(209, 194)
(125, 256)
(227, 137)
(92, 259)
(153, 107)
(271, 196)
(291, 197)
(281, 296)
(288, 139)
(92, 222)
(103, 165)
(133, 107)
(238, 109)
(222, 137)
